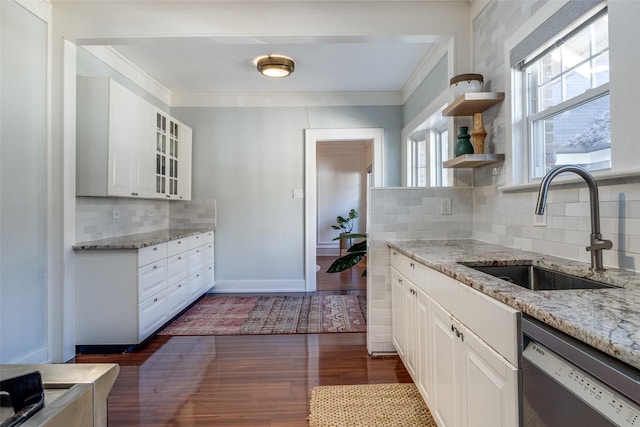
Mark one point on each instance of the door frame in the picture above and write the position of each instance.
(312, 137)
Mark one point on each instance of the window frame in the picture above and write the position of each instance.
(522, 166)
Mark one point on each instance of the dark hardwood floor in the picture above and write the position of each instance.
(263, 380)
(348, 280)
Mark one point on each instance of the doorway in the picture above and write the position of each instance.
(368, 137)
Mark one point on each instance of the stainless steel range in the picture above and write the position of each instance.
(69, 394)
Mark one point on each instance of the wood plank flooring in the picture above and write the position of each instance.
(260, 380)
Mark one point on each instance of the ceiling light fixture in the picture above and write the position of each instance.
(275, 66)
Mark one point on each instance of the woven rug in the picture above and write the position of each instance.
(268, 315)
(372, 405)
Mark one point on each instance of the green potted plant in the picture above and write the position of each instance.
(355, 252)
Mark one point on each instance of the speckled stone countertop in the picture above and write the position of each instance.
(607, 319)
(140, 240)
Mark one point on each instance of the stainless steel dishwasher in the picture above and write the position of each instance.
(567, 383)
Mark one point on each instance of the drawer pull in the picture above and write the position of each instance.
(155, 266)
(412, 265)
(155, 249)
(155, 300)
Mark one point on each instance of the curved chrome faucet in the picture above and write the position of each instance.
(597, 243)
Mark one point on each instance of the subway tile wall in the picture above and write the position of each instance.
(104, 217)
(507, 217)
(406, 214)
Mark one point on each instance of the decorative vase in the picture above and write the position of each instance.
(463, 146)
(478, 134)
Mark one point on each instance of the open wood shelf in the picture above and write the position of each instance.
(473, 160)
(473, 102)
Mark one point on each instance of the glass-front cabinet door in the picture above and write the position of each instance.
(161, 153)
(173, 158)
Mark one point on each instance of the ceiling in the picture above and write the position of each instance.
(323, 63)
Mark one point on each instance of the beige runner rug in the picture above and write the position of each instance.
(372, 405)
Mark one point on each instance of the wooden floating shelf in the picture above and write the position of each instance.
(473, 160)
(473, 102)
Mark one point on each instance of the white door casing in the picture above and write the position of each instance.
(312, 137)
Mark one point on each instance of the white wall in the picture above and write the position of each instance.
(23, 183)
(249, 160)
(341, 186)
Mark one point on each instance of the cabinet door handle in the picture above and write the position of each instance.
(155, 300)
(179, 258)
(412, 265)
(452, 328)
(155, 266)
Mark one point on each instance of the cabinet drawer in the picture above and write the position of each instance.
(177, 268)
(201, 239)
(198, 283)
(152, 254)
(152, 314)
(176, 246)
(416, 272)
(197, 259)
(178, 298)
(152, 279)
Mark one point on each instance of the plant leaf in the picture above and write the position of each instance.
(345, 262)
(360, 247)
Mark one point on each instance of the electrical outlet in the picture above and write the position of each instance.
(116, 214)
(540, 220)
(445, 206)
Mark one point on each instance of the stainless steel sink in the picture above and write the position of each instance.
(539, 279)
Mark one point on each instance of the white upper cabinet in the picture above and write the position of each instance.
(126, 147)
(172, 158)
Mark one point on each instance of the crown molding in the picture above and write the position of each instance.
(423, 70)
(121, 64)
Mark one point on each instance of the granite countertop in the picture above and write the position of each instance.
(140, 240)
(607, 319)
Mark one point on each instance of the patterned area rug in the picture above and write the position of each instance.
(269, 315)
(372, 405)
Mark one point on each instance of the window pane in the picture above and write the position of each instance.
(601, 69)
(550, 94)
(578, 81)
(581, 135)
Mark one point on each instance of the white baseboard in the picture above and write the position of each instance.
(37, 356)
(258, 286)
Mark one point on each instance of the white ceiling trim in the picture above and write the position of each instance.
(289, 99)
(424, 69)
(115, 60)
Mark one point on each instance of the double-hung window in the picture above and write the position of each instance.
(428, 150)
(566, 98)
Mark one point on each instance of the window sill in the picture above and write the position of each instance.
(602, 178)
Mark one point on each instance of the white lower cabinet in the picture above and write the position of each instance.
(463, 379)
(124, 296)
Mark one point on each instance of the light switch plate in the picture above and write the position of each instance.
(115, 214)
(445, 206)
(298, 193)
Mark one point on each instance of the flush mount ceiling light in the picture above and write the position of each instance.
(275, 66)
